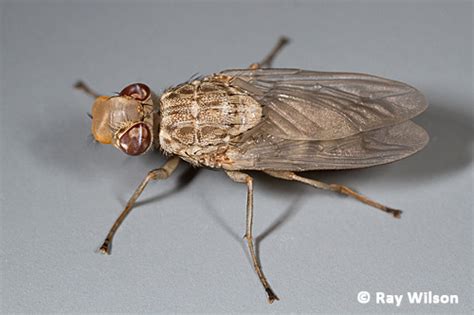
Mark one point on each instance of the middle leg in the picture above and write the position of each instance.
(240, 177)
(268, 60)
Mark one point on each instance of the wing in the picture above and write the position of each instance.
(366, 149)
(309, 105)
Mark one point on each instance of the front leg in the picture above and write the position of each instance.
(160, 173)
(240, 177)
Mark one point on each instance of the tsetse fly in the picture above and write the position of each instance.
(278, 121)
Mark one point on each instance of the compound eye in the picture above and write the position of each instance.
(136, 139)
(138, 91)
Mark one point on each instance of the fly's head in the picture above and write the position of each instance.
(126, 120)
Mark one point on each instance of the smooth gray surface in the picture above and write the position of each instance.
(181, 250)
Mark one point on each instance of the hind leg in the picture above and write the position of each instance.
(336, 188)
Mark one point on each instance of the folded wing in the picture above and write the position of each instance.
(370, 148)
(309, 105)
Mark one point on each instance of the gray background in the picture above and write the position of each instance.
(181, 250)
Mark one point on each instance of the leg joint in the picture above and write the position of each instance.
(160, 173)
(240, 177)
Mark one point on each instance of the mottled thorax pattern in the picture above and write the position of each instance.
(200, 119)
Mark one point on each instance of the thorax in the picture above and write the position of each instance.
(200, 119)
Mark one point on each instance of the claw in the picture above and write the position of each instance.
(271, 296)
(395, 212)
(105, 249)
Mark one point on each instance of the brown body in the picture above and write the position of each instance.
(200, 119)
(279, 121)
(290, 120)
